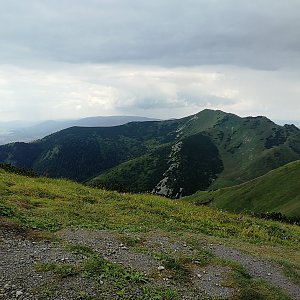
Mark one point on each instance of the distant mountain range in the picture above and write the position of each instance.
(208, 150)
(21, 131)
(283, 122)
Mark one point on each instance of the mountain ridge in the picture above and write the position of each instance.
(26, 132)
(240, 149)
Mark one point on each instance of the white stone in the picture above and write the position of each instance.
(19, 293)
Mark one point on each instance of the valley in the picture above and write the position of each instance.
(208, 150)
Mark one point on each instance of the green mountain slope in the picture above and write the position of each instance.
(210, 149)
(245, 148)
(82, 152)
(276, 191)
(248, 147)
(183, 168)
(19, 131)
(137, 175)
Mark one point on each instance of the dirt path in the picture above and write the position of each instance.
(258, 268)
(20, 253)
(19, 279)
(112, 249)
(209, 280)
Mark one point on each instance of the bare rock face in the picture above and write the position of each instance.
(165, 186)
(193, 164)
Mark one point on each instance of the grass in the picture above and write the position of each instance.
(47, 291)
(50, 205)
(80, 249)
(96, 266)
(123, 280)
(290, 270)
(249, 288)
(119, 280)
(177, 266)
(259, 290)
(62, 270)
(277, 191)
(131, 241)
(159, 293)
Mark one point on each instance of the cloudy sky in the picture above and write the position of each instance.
(159, 58)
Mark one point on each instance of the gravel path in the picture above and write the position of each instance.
(258, 268)
(209, 280)
(111, 249)
(20, 253)
(18, 276)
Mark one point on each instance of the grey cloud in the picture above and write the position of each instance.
(202, 100)
(161, 58)
(259, 34)
(182, 100)
(74, 91)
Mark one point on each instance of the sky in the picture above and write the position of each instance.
(64, 59)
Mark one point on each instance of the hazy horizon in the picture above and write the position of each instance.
(70, 59)
(15, 123)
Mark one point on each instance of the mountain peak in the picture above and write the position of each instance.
(218, 149)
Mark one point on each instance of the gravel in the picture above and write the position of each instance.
(20, 252)
(113, 250)
(258, 268)
(18, 276)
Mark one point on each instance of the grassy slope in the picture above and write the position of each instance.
(249, 147)
(276, 191)
(192, 168)
(138, 175)
(53, 204)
